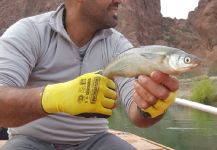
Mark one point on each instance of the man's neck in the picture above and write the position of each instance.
(79, 31)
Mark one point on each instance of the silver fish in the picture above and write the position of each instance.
(146, 59)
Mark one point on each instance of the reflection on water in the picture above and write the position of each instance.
(181, 128)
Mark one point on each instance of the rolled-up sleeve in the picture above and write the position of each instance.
(18, 53)
(125, 85)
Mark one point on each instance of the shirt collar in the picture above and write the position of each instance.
(56, 20)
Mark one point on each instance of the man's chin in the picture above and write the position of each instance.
(111, 25)
(114, 22)
(115, 17)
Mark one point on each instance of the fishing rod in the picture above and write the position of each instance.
(196, 105)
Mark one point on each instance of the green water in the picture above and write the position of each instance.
(181, 128)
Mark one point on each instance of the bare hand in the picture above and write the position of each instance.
(148, 90)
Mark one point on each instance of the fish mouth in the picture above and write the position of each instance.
(185, 69)
(194, 65)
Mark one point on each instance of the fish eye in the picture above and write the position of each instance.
(187, 60)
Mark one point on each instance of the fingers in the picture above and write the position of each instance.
(107, 95)
(105, 111)
(156, 89)
(168, 81)
(110, 89)
(108, 103)
(161, 106)
(106, 81)
(110, 93)
(110, 84)
(109, 100)
(152, 94)
(153, 112)
(142, 97)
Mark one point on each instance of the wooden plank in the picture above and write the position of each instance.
(2, 142)
(138, 142)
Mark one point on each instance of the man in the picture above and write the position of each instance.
(51, 95)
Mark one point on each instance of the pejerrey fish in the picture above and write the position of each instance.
(146, 59)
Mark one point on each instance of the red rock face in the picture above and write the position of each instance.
(11, 11)
(141, 22)
(206, 22)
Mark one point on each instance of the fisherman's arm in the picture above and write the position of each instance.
(148, 91)
(19, 46)
(88, 95)
(19, 106)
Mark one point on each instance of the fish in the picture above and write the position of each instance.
(146, 59)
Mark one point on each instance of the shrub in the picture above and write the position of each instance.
(202, 90)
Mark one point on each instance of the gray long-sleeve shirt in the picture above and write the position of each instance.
(37, 51)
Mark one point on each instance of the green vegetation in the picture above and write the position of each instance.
(203, 91)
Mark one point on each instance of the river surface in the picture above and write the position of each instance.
(181, 128)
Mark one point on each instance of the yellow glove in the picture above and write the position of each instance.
(160, 107)
(88, 95)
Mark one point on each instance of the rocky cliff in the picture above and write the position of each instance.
(11, 11)
(141, 22)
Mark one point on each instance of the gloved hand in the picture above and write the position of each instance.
(88, 95)
(160, 107)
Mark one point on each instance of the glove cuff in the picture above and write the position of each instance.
(50, 97)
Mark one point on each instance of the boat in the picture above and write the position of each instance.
(139, 143)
